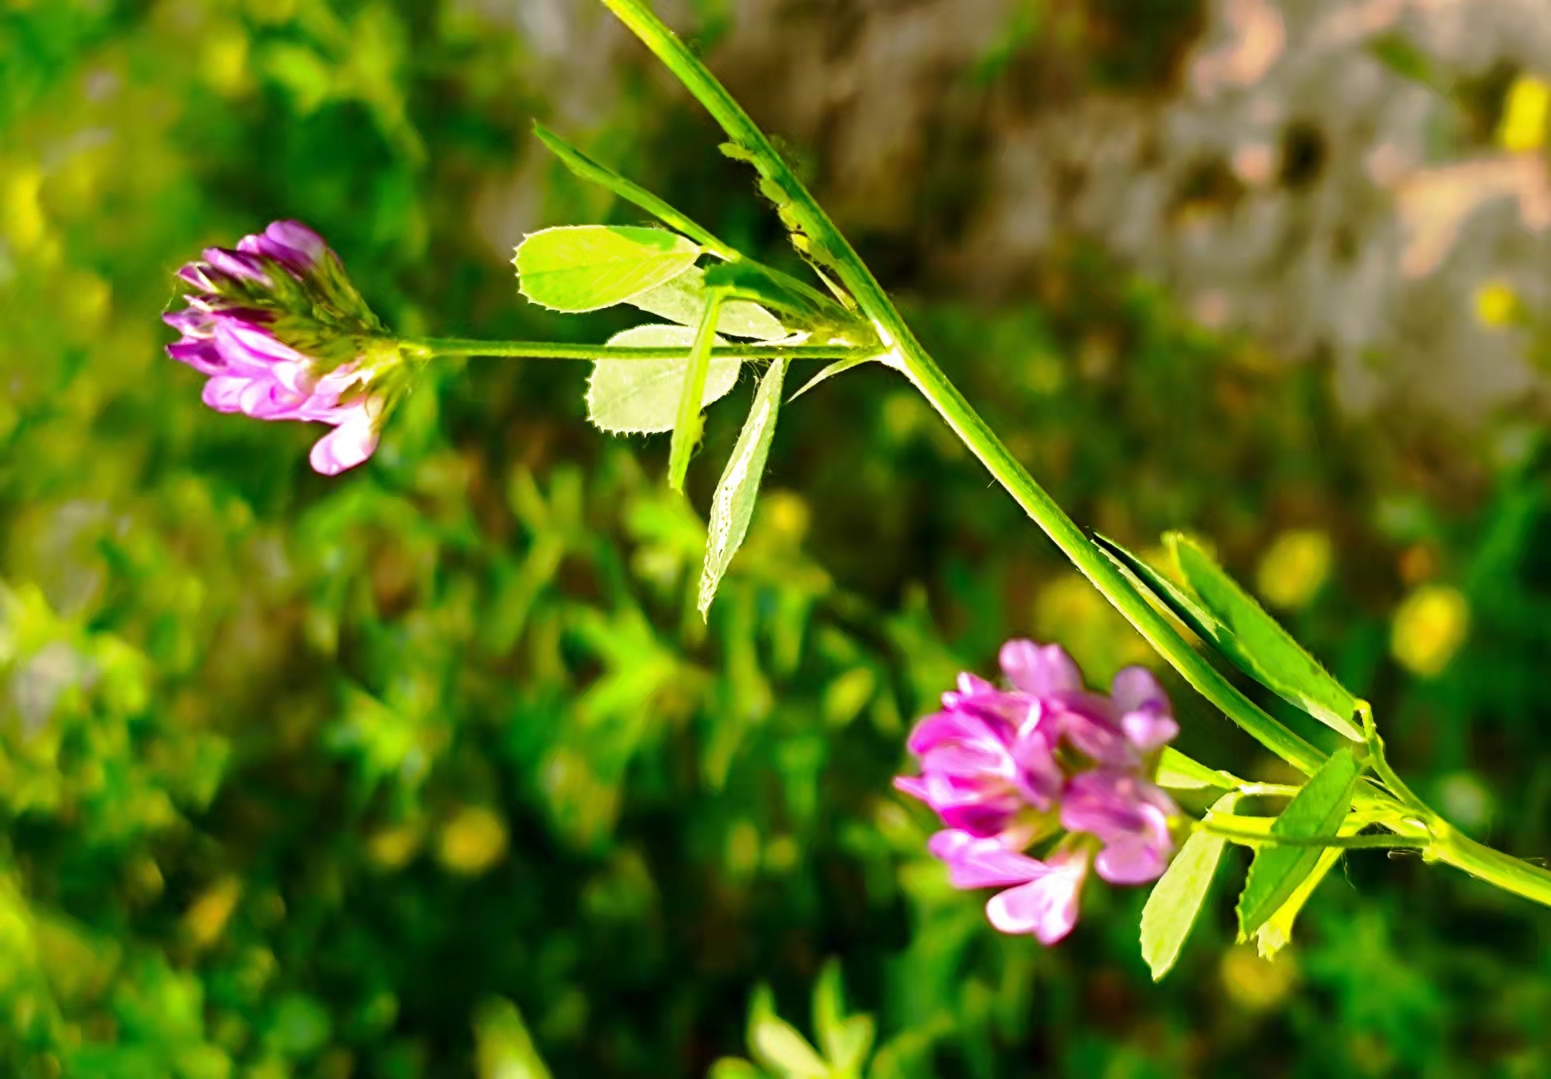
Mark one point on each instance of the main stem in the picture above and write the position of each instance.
(907, 354)
(828, 244)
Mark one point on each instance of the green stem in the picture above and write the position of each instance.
(1250, 837)
(431, 347)
(1511, 874)
(831, 246)
(826, 244)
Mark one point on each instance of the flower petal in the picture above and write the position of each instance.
(1040, 670)
(202, 356)
(977, 862)
(236, 264)
(224, 392)
(346, 446)
(1046, 906)
(1146, 715)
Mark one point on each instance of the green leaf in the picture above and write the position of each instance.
(683, 300)
(1169, 594)
(1176, 899)
(838, 367)
(733, 504)
(588, 267)
(642, 396)
(687, 424)
(588, 169)
(777, 1045)
(1275, 934)
(734, 1068)
(1316, 812)
(845, 1041)
(1259, 645)
(1179, 772)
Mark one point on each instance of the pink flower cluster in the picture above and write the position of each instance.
(1008, 768)
(257, 321)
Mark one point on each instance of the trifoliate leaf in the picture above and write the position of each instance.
(588, 267)
(642, 396)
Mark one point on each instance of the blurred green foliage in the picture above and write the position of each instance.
(432, 770)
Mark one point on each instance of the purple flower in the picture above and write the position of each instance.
(983, 757)
(280, 334)
(1006, 768)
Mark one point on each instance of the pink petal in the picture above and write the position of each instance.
(946, 728)
(977, 862)
(1147, 729)
(236, 264)
(1146, 716)
(224, 392)
(202, 356)
(1133, 860)
(1040, 670)
(346, 446)
(1046, 906)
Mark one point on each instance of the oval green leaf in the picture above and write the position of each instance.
(642, 396)
(589, 267)
(1253, 640)
(1176, 899)
(1316, 812)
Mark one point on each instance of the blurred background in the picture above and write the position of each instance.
(431, 770)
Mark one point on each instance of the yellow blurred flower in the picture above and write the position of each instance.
(224, 61)
(392, 847)
(1428, 629)
(1294, 568)
(1255, 983)
(206, 919)
(1496, 304)
(21, 208)
(1526, 115)
(472, 841)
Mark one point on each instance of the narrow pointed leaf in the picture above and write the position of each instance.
(687, 425)
(642, 396)
(1170, 595)
(589, 267)
(1176, 899)
(1259, 645)
(683, 300)
(733, 504)
(838, 367)
(1317, 811)
(588, 169)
